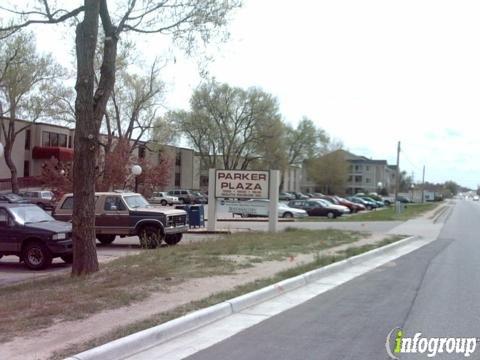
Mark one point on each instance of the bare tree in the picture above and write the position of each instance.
(186, 21)
(28, 89)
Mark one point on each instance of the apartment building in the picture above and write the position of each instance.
(185, 170)
(35, 144)
(363, 175)
(368, 175)
(39, 142)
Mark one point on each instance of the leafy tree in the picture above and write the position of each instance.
(306, 141)
(329, 172)
(187, 22)
(451, 188)
(29, 88)
(228, 125)
(405, 182)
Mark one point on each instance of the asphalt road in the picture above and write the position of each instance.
(434, 290)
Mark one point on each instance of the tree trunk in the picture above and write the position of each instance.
(86, 143)
(12, 167)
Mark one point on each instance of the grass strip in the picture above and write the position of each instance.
(179, 311)
(40, 303)
(411, 211)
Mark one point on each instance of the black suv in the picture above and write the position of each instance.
(31, 234)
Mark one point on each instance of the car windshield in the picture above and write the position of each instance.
(30, 215)
(48, 195)
(12, 197)
(323, 202)
(136, 201)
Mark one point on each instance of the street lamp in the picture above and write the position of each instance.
(136, 171)
(412, 187)
(379, 186)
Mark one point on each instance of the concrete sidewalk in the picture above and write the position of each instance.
(194, 333)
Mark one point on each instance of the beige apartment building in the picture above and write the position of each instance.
(364, 175)
(39, 142)
(34, 145)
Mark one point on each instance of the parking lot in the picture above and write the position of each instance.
(12, 271)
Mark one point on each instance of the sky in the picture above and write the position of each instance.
(371, 73)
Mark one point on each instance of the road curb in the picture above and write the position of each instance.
(135, 343)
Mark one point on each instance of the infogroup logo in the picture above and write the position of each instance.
(397, 343)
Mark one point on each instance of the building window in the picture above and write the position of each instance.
(203, 180)
(178, 158)
(26, 168)
(28, 134)
(358, 179)
(70, 141)
(350, 179)
(367, 168)
(177, 179)
(367, 180)
(50, 139)
(358, 168)
(141, 152)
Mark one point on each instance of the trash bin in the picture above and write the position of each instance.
(195, 213)
(197, 216)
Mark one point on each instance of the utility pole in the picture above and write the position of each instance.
(423, 185)
(397, 176)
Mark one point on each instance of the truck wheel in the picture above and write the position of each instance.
(36, 256)
(67, 258)
(106, 239)
(150, 237)
(173, 239)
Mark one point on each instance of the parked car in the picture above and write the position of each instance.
(12, 198)
(44, 199)
(354, 208)
(299, 195)
(317, 207)
(368, 204)
(201, 198)
(285, 196)
(379, 203)
(403, 199)
(186, 196)
(261, 209)
(129, 214)
(163, 199)
(34, 236)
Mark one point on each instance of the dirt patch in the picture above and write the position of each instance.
(41, 344)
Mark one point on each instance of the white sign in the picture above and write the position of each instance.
(241, 184)
(246, 207)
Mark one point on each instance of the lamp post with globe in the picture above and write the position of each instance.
(379, 187)
(136, 171)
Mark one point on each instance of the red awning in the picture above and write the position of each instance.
(60, 153)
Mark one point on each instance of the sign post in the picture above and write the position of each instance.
(273, 210)
(212, 202)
